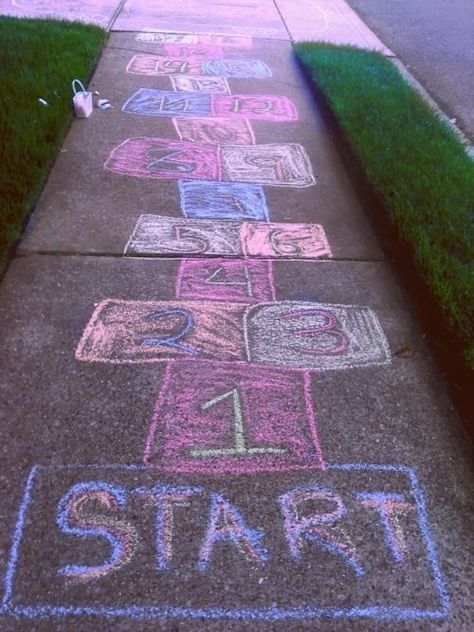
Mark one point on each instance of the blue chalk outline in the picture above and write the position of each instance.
(381, 613)
(220, 200)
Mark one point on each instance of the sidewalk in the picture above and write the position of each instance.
(219, 412)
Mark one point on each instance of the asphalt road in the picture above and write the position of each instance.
(436, 41)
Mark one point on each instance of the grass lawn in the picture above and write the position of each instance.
(38, 59)
(416, 165)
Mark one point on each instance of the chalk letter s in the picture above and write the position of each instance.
(73, 519)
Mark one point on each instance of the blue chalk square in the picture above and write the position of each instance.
(222, 200)
(151, 102)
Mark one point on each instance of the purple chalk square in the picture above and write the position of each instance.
(150, 102)
(222, 200)
(226, 279)
(164, 159)
(223, 418)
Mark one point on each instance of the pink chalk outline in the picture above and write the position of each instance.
(164, 159)
(284, 240)
(263, 107)
(293, 444)
(132, 332)
(194, 274)
(215, 131)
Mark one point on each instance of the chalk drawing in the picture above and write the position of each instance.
(225, 280)
(196, 103)
(210, 85)
(224, 418)
(265, 107)
(163, 159)
(223, 200)
(282, 165)
(215, 131)
(318, 526)
(124, 332)
(286, 240)
(392, 508)
(158, 66)
(193, 51)
(149, 102)
(74, 519)
(154, 234)
(237, 68)
(227, 525)
(229, 41)
(315, 336)
(167, 500)
(167, 38)
(285, 165)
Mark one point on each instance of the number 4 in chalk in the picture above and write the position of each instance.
(239, 447)
(213, 279)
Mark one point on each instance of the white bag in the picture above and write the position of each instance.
(82, 100)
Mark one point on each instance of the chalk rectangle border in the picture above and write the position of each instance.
(275, 613)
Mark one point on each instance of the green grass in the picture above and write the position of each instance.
(38, 59)
(415, 163)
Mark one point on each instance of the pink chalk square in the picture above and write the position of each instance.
(198, 83)
(263, 107)
(130, 332)
(164, 159)
(225, 280)
(158, 66)
(216, 417)
(284, 240)
(184, 51)
(215, 131)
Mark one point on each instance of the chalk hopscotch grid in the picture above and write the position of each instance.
(182, 465)
(188, 264)
(365, 345)
(153, 235)
(175, 37)
(275, 613)
(169, 103)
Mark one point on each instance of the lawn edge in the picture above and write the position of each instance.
(10, 252)
(449, 353)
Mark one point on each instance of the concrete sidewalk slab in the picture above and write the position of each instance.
(63, 412)
(259, 19)
(330, 21)
(100, 13)
(97, 209)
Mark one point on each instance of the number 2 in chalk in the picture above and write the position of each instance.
(172, 340)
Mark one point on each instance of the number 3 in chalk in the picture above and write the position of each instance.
(330, 326)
